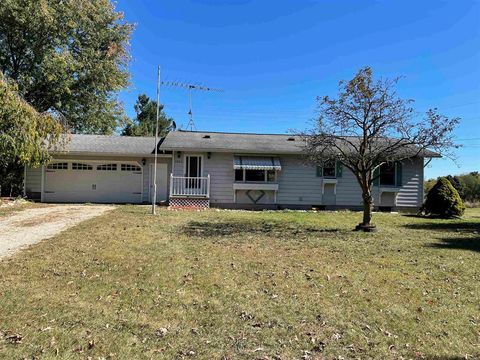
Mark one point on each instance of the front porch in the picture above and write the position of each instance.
(189, 191)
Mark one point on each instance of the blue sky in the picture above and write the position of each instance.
(274, 57)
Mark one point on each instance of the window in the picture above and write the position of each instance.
(239, 175)
(58, 166)
(387, 174)
(271, 175)
(107, 167)
(255, 175)
(329, 170)
(130, 167)
(80, 166)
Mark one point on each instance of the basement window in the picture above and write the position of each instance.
(107, 167)
(80, 166)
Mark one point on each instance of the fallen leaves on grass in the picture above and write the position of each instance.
(13, 338)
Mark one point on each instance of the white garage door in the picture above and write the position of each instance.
(83, 181)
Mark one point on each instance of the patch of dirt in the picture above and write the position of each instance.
(230, 228)
(49, 217)
(33, 225)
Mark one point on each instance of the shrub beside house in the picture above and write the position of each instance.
(443, 200)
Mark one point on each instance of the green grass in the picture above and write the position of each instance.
(245, 285)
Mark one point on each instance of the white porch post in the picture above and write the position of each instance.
(208, 185)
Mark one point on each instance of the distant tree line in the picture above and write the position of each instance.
(467, 185)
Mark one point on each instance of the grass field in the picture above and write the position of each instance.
(245, 285)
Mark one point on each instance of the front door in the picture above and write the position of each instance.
(193, 170)
(193, 166)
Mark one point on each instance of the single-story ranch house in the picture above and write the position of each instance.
(230, 170)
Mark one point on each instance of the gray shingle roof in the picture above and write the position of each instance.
(242, 143)
(200, 141)
(232, 142)
(109, 144)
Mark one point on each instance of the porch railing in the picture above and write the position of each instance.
(190, 186)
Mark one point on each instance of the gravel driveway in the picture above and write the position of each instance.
(33, 225)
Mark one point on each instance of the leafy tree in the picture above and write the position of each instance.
(145, 122)
(467, 185)
(471, 186)
(25, 135)
(368, 125)
(68, 57)
(428, 185)
(457, 184)
(443, 200)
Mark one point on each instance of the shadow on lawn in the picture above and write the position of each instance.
(464, 243)
(460, 227)
(446, 225)
(230, 228)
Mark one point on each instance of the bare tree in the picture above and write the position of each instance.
(369, 125)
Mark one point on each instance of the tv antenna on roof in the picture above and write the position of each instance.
(191, 124)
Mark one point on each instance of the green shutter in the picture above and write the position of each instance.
(376, 174)
(339, 169)
(319, 171)
(398, 180)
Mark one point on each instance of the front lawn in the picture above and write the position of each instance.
(245, 285)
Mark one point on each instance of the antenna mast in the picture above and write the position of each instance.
(191, 124)
(154, 197)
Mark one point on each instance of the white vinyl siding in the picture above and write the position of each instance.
(220, 168)
(411, 191)
(298, 183)
(348, 190)
(147, 183)
(33, 181)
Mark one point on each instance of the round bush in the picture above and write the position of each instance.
(443, 200)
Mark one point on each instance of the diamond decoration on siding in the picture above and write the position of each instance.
(255, 195)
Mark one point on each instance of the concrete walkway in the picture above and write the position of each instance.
(33, 225)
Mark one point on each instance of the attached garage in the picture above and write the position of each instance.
(93, 181)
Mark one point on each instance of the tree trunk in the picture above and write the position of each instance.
(366, 224)
(367, 209)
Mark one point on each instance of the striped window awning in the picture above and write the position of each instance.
(256, 163)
